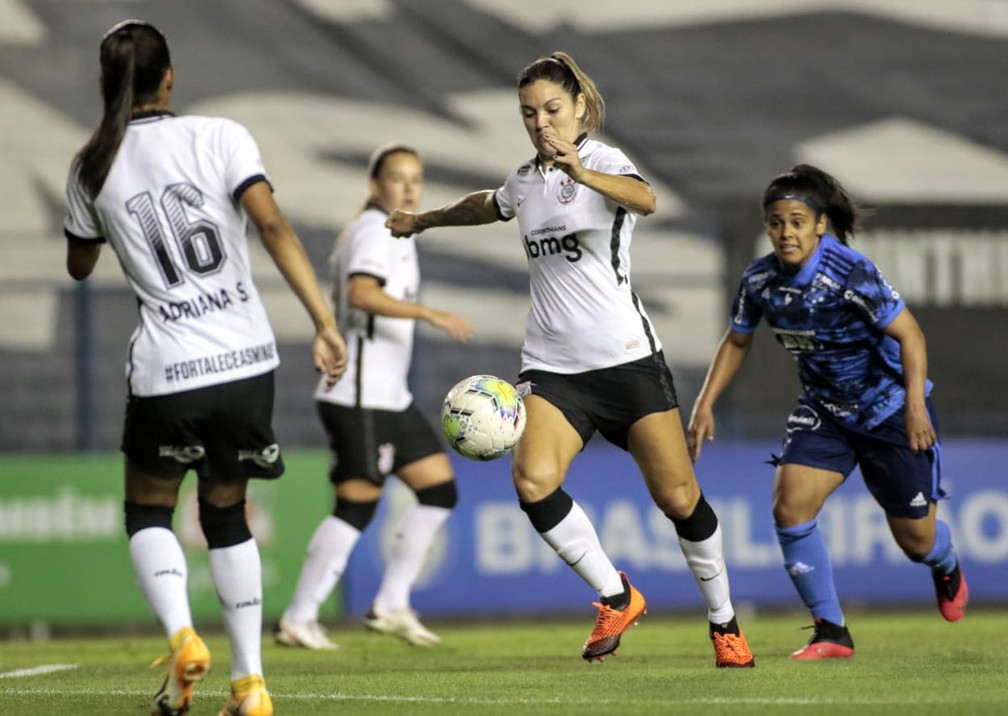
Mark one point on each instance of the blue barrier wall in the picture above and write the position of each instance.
(490, 561)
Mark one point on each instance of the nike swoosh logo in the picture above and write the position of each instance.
(707, 579)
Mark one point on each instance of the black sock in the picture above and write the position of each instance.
(729, 627)
(620, 601)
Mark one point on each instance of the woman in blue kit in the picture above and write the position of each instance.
(862, 362)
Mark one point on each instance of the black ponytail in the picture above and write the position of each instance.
(134, 58)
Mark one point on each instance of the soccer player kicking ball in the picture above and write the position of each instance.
(591, 360)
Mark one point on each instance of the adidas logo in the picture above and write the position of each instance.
(800, 568)
(918, 500)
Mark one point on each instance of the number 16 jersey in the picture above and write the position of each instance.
(170, 209)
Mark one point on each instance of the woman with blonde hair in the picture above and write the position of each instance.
(591, 360)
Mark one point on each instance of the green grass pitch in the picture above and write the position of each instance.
(905, 660)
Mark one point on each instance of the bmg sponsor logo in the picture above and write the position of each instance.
(544, 246)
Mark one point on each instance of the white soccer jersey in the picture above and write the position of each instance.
(169, 210)
(379, 348)
(583, 315)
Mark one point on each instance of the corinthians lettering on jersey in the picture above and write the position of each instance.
(220, 363)
(219, 300)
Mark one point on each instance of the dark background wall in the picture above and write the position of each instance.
(908, 109)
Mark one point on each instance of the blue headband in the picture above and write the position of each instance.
(795, 197)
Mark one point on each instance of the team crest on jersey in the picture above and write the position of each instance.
(568, 190)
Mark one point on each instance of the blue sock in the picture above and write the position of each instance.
(808, 564)
(942, 557)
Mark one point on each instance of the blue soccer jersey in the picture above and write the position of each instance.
(831, 316)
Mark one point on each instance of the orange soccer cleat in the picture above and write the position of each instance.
(612, 622)
(249, 697)
(731, 650)
(188, 663)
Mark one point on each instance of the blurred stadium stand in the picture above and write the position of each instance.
(904, 101)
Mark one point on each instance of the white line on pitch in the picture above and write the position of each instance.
(36, 670)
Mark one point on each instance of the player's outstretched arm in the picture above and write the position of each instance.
(471, 210)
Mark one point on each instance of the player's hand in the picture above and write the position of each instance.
(920, 433)
(455, 326)
(565, 154)
(402, 223)
(330, 355)
(701, 427)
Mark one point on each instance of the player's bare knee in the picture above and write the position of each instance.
(534, 484)
(915, 546)
(790, 512)
(678, 502)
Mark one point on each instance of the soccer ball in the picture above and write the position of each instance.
(483, 417)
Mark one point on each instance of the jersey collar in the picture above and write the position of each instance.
(809, 270)
(151, 114)
(371, 204)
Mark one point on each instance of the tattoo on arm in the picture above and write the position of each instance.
(470, 210)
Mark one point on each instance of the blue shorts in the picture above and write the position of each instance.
(609, 400)
(903, 483)
(372, 443)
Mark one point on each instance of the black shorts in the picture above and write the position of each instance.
(223, 432)
(609, 400)
(372, 444)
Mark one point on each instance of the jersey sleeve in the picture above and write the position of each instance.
(504, 197)
(367, 250)
(746, 311)
(81, 222)
(243, 165)
(869, 291)
(613, 161)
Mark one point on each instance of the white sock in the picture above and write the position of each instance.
(325, 559)
(162, 573)
(413, 537)
(577, 543)
(237, 575)
(706, 561)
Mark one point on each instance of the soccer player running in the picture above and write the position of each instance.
(591, 358)
(374, 428)
(171, 194)
(865, 401)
